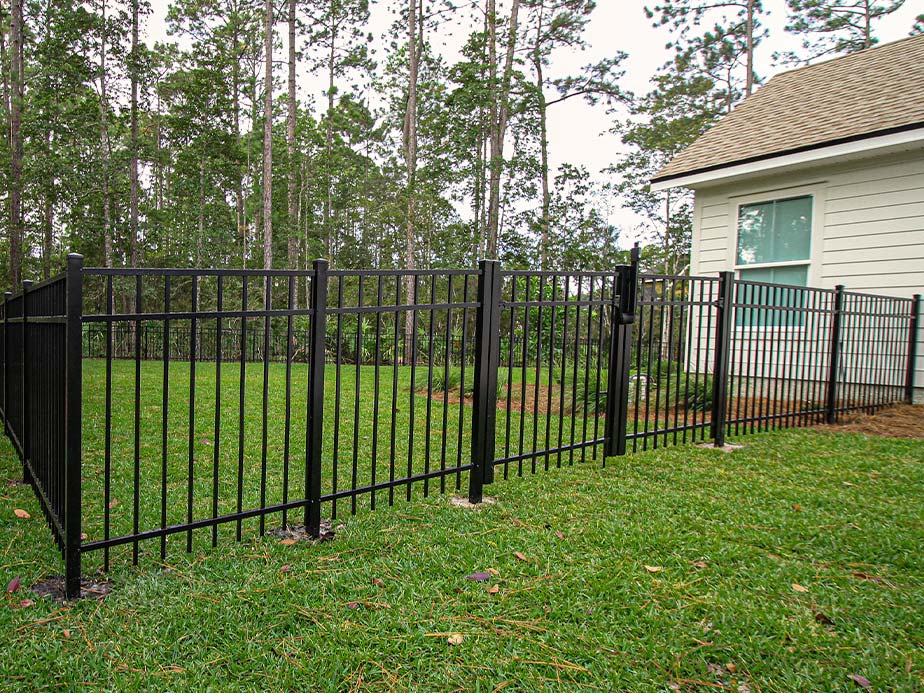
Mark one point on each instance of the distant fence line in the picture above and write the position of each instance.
(214, 399)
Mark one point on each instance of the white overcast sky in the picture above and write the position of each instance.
(578, 133)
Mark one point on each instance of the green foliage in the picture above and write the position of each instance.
(443, 381)
(834, 27)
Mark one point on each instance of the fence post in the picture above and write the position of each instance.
(834, 355)
(912, 347)
(484, 397)
(617, 384)
(25, 432)
(315, 424)
(73, 416)
(722, 356)
(7, 295)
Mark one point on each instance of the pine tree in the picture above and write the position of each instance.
(835, 27)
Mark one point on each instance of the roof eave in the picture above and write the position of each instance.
(815, 153)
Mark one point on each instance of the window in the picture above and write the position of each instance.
(774, 246)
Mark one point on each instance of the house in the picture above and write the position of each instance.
(817, 179)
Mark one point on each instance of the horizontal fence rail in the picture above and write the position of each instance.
(216, 399)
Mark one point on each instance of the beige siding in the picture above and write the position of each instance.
(871, 235)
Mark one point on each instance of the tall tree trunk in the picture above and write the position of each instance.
(749, 84)
(268, 141)
(410, 160)
(290, 143)
(240, 221)
(48, 211)
(499, 131)
(16, 82)
(133, 169)
(329, 140)
(867, 21)
(543, 141)
(669, 268)
(104, 142)
(200, 226)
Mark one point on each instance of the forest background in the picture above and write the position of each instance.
(401, 133)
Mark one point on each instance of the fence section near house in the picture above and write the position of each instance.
(671, 360)
(216, 398)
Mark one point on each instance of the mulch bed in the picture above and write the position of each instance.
(896, 421)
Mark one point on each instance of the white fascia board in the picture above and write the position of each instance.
(846, 150)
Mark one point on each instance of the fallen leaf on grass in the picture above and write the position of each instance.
(861, 681)
(285, 569)
(494, 589)
(560, 534)
(864, 576)
(13, 586)
(26, 603)
(653, 568)
(796, 507)
(700, 564)
(847, 483)
(288, 542)
(378, 582)
(494, 571)
(353, 605)
(21, 514)
(455, 639)
(823, 618)
(731, 667)
(479, 577)
(799, 588)
(520, 556)
(66, 633)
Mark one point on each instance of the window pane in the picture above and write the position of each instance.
(792, 230)
(752, 299)
(779, 231)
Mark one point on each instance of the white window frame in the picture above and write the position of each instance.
(816, 192)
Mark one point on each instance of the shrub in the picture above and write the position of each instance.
(443, 381)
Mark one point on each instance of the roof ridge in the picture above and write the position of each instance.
(852, 97)
(856, 54)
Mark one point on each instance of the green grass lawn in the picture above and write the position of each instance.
(378, 423)
(787, 565)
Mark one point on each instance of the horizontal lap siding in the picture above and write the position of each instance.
(873, 226)
(710, 235)
(874, 233)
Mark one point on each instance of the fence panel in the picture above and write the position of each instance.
(671, 360)
(779, 356)
(400, 346)
(554, 346)
(874, 356)
(40, 374)
(194, 439)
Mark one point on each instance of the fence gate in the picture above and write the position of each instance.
(552, 369)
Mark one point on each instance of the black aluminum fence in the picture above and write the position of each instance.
(215, 398)
(42, 398)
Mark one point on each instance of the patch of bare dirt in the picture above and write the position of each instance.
(896, 421)
(53, 587)
(291, 534)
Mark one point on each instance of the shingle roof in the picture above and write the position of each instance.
(874, 91)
